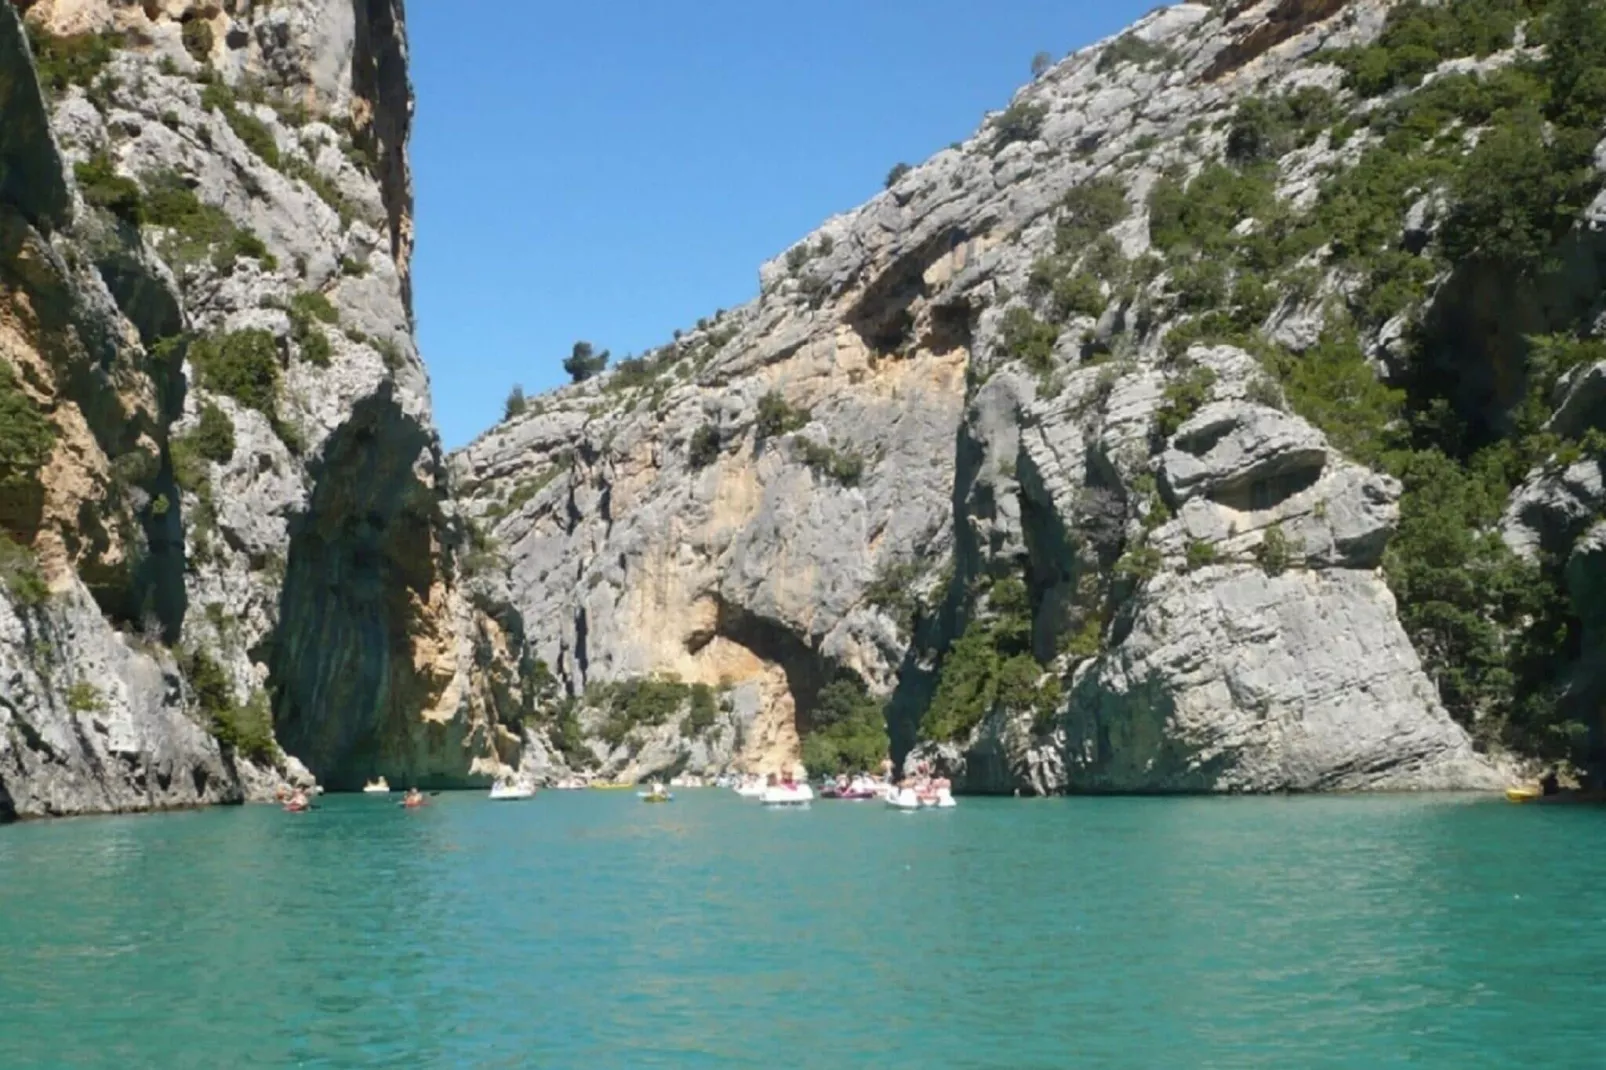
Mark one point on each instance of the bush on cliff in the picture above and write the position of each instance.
(103, 187)
(77, 59)
(584, 362)
(846, 732)
(26, 437)
(243, 365)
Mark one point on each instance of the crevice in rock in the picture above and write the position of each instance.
(379, 76)
(1286, 20)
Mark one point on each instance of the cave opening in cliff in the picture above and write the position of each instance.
(347, 694)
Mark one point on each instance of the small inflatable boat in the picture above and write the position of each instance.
(376, 787)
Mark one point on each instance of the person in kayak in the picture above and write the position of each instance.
(414, 799)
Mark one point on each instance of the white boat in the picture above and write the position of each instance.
(944, 801)
(511, 791)
(903, 799)
(376, 787)
(781, 795)
(751, 789)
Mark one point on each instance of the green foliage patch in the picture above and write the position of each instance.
(243, 365)
(26, 436)
(847, 730)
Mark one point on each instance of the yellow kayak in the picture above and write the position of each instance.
(611, 787)
(1522, 795)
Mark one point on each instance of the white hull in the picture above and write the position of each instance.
(801, 795)
(906, 799)
(751, 791)
(501, 793)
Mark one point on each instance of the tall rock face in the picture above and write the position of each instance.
(230, 552)
(1100, 448)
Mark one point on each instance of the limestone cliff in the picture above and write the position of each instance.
(1085, 445)
(228, 534)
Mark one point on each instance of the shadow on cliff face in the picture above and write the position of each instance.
(362, 564)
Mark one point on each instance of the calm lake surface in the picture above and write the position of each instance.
(585, 929)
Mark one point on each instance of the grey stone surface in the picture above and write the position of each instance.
(888, 325)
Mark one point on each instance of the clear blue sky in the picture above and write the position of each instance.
(613, 169)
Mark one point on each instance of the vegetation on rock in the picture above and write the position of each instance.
(846, 732)
(243, 365)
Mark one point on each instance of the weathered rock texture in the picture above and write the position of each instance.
(655, 522)
(217, 173)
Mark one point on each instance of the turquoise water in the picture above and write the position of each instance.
(584, 929)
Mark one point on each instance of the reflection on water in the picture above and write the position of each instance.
(585, 928)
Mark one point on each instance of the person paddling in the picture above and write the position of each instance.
(414, 799)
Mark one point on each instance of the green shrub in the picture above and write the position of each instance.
(1130, 48)
(19, 573)
(704, 709)
(1512, 198)
(1201, 554)
(1182, 397)
(1333, 387)
(253, 132)
(895, 175)
(846, 731)
(103, 187)
(198, 39)
(843, 466)
(85, 697)
(892, 592)
(1019, 122)
(515, 404)
(1028, 339)
(638, 703)
(213, 437)
(26, 436)
(704, 447)
(584, 363)
(1199, 216)
(1078, 295)
(1277, 553)
(1417, 37)
(775, 417)
(243, 365)
(307, 310)
(1139, 563)
(74, 60)
(971, 681)
(1265, 128)
(1090, 210)
(198, 230)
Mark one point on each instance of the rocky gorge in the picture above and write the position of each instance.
(1222, 416)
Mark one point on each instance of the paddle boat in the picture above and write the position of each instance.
(377, 786)
(903, 799)
(751, 788)
(511, 791)
(655, 793)
(859, 789)
(787, 794)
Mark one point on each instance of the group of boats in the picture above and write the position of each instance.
(918, 793)
(922, 792)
